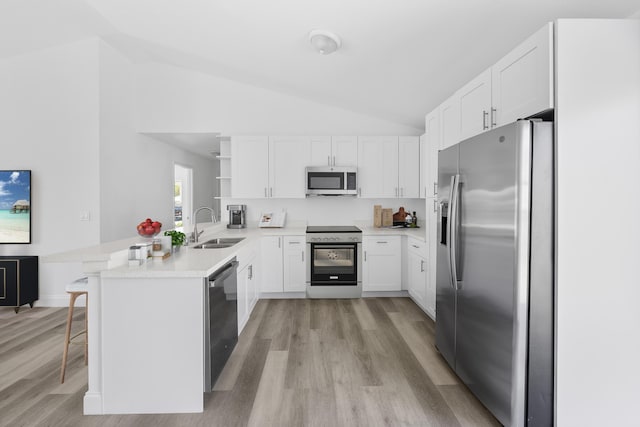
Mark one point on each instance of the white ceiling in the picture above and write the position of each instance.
(399, 59)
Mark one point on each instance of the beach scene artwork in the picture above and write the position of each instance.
(15, 206)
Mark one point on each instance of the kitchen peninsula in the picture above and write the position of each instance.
(146, 323)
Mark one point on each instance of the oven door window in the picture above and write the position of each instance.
(334, 264)
(325, 181)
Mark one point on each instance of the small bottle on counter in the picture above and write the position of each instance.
(156, 245)
(414, 220)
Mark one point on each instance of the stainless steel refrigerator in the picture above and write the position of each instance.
(495, 287)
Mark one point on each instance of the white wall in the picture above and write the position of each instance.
(66, 114)
(172, 99)
(598, 217)
(49, 122)
(137, 171)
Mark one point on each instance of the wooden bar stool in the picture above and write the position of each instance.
(75, 290)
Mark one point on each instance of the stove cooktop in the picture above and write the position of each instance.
(333, 229)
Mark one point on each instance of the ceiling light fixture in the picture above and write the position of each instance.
(324, 41)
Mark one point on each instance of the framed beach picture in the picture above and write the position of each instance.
(15, 206)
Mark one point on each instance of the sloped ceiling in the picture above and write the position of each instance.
(398, 61)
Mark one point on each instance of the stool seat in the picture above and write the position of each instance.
(75, 289)
(79, 285)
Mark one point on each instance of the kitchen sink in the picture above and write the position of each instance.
(219, 243)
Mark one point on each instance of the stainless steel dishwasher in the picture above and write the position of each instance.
(221, 321)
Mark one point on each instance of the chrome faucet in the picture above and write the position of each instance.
(195, 234)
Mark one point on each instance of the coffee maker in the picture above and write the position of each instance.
(237, 216)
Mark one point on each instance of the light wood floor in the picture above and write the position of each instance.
(363, 362)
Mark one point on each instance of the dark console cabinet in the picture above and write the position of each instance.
(18, 281)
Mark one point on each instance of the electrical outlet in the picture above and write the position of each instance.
(85, 216)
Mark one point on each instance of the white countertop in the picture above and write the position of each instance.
(370, 230)
(191, 262)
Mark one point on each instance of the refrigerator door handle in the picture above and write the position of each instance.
(453, 233)
(448, 239)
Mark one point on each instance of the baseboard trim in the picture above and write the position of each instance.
(282, 295)
(57, 301)
(92, 403)
(388, 294)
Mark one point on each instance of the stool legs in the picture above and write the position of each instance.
(67, 335)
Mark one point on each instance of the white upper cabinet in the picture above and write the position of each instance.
(263, 167)
(334, 151)
(475, 106)
(344, 150)
(320, 151)
(522, 81)
(288, 158)
(518, 86)
(450, 122)
(424, 165)
(409, 167)
(429, 156)
(249, 167)
(378, 166)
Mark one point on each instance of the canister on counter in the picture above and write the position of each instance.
(377, 216)
(387, 217)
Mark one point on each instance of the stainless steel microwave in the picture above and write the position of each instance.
(331, 181)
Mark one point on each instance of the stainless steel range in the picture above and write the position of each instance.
(335, 262)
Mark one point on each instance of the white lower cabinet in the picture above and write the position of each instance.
(283, 264)
(417, 271)
(272, 273)
(381, 263)
(294, 263)
(248, 266)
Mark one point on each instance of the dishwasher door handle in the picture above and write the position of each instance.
(222, 273)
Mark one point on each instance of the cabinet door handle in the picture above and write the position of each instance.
(435, 206)
(485, 116)
(270, 191)
(302, 256)
(421, 265)
(493, 117)
(278, 242)
(334, 160)
(294, 243)
(396, 191)
(328, 160)
(416, 246)
(250, 275)
(435, 188)
(359, 191)
(365, 256)
(265, 191)
(382, 241)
